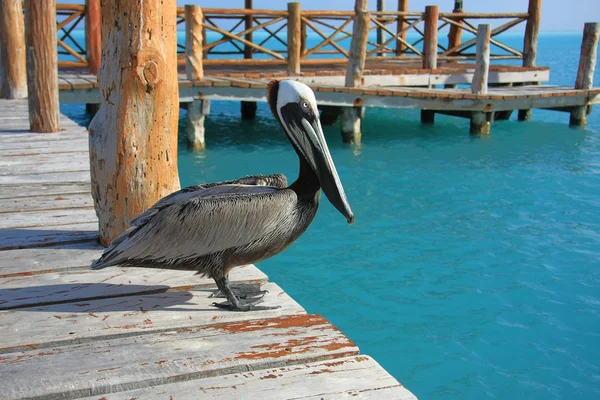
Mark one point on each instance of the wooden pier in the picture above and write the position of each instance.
(134, 333)
(69, 332)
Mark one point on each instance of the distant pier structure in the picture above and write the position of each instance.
(410, 64)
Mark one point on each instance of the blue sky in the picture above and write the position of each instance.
(557, 15)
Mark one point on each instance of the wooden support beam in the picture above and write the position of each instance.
(294, 39)
(401, 25)
(248, 107)
(93, 42)
(430, 44)
(350, 117)
(587, 66)
(133, 137)
(248, 25)
(531, 33)
(480, 123)
(194, 69)
(380, 32)
(455, 35)
(13, 73)
(482, 65)
(455, 32)
(42, 65)
(329, 114)
(427, 116)
(248, 110)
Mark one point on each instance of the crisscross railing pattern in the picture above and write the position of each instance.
(248, 33)
(467, 23)
(68, 17)
(269, 25)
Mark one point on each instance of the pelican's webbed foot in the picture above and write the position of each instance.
(235, 303)
(243, 291)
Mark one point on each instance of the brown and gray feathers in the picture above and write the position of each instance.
(201, 220)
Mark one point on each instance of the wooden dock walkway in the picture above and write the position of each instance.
(68, 332)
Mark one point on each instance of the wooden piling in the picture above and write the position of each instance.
(481, 121)
(401, 25)
(42, 65)
(294, 38)
(455, 32)
(13, 73)
(430, 43)
(133, 137)
(194, 69)
(248, 108)
(479, 85)
(531, 33)
(248, 25)
(530, 44)
(93, 42)
(380, 32)
(427, 116)
(585, 72)
(351, 116)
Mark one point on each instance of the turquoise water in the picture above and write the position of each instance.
(472, 270)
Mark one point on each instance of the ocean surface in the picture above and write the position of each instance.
(473, 268)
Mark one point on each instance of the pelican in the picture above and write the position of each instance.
(212, 228)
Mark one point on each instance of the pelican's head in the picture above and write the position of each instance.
(294, 105)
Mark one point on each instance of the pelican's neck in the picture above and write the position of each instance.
(307, 184)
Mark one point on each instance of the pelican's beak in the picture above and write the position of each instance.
(304, 129)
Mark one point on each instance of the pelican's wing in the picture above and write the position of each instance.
(193, 223)
(275, 180)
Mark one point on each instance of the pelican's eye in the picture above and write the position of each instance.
(304, 104)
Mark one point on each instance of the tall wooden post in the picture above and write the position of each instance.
(194, 69)
(294, 39)
(455, 32)
(350, 117)
(402, 7)
(93, 43)
(530, 43)
(587, 66)
(248, 25)
(248, 108)
(531, 33)
(13, 74)
(133, 137)
(380, 32)
(480, 120)
(430, 43)
(42, 65)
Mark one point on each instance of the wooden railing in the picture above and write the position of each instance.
(248, 36)
(68, 17)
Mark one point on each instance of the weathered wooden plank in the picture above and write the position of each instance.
(66, 323)
(34, 219)
(357, 377)
(52, 202)
(52, 166)
(83, 284)
(43, 189)
(24, 136)
(127, 363)
(71, 145)
(75, 176)
(47, 236)
(24, 262)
